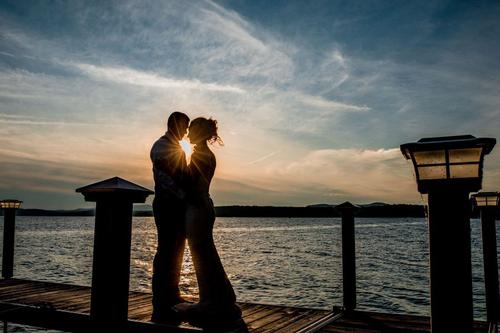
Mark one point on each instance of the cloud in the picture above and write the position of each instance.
(10, 119)
(263, 158)
(322, 103)
(323, 175)
(141, 78)
(231, 25)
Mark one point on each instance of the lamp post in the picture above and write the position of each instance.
(347, 211)
(114, 199)
(448, 169)
(9, 207)
(487, 203)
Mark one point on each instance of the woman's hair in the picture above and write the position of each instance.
(208, 129)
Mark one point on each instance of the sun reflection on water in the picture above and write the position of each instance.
(188, 284)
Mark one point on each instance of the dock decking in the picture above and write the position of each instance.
(67, 307)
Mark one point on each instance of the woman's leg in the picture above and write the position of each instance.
(214, 286)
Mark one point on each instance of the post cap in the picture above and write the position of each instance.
(115, 187)
(347, 206)
(449, 142)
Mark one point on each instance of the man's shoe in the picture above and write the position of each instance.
(168, 315)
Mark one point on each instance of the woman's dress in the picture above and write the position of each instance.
(216, 293)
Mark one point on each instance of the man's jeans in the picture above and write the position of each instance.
(169, 216)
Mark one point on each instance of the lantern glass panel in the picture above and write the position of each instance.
(481, 201)
(464, 171)
(432, 172)
(465, 155)
(6, 204)
(429, 157)
(492, 201)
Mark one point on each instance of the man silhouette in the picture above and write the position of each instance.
(169, 171)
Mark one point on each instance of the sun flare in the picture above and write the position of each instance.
(187, 148)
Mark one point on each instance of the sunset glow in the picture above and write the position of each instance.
(312, 99)
(187, 148)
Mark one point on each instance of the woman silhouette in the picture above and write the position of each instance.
(217, 302)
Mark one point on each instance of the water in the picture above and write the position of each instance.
(286, 261)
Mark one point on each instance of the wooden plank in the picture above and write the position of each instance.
(19, 289)
(295, 315)
(68, 302)
(369, 322)
(296, 325)
(272, 317)
(251, 310)
(44, 294)
(262, 312)
(140, 311)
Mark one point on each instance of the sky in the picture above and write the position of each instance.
(312, 98)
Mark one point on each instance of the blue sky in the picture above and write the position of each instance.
(313, 98)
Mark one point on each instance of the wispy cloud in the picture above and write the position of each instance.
(263, 158)
(323, 103)
(10, 119)
(140, 78)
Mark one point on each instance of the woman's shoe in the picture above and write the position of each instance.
(210, 316)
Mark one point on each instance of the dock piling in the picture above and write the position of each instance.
(9, 229)
(487, 203)
(488, 231)
(347, 211)
(450, 262)
(114, 199)
(447, 169)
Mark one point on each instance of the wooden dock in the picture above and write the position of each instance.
(67, 307)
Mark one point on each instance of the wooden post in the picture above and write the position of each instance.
(114, 199)
(489, 236)
(9, 228)
(347, 211)
(450, 261)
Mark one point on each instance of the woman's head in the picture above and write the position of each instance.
(203, 129)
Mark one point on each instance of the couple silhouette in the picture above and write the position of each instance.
(183, 210)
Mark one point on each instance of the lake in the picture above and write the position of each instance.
(287, 261)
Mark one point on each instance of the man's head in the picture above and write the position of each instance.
(177, 124)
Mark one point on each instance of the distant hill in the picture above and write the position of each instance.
(376, 209)
(44, 212)
(375, 204)
(321, 210)
(321, 205)
(273, 211)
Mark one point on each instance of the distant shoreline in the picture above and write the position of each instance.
(321, 210)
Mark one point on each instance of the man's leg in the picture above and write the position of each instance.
(169, 220)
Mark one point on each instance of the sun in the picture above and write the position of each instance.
(187, 148)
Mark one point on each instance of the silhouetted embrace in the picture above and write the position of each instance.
(183, 209)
